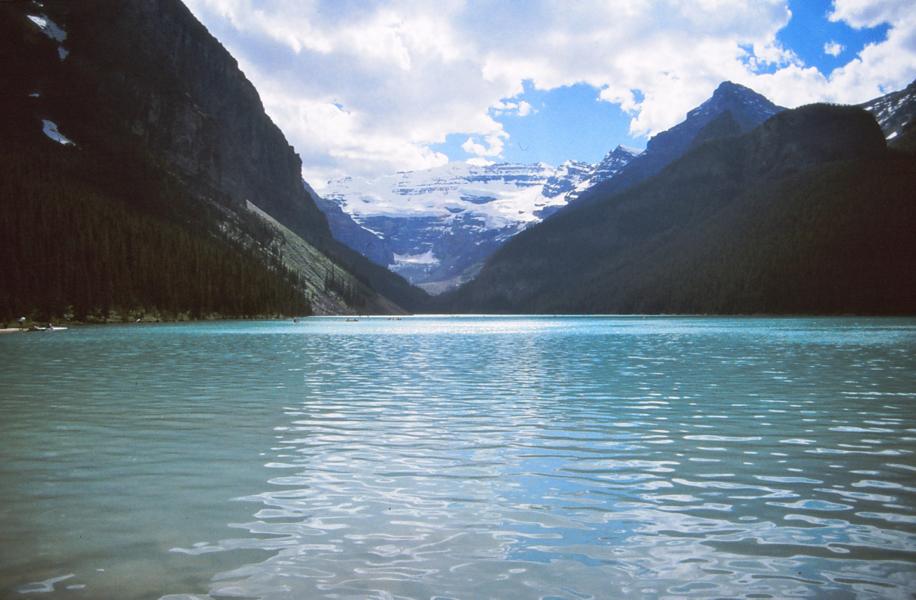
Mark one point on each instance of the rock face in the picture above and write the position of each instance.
(436, 227)
(184, 96)
(354, 235)
(574, 178)
(143, 79)
(894, 111)
(567, 178)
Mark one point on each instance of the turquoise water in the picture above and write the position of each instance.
(463, 457)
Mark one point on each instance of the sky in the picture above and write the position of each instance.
(367, 88)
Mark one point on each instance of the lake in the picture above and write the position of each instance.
(461, 457)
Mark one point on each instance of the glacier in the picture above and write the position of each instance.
(456, 215)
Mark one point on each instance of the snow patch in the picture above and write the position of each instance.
(42, 22)
(427, 258)
(49, 128)
(892, 135)
(62, 52)
(35, 95)
(48, 27)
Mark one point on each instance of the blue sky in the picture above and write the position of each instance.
(370, 88)
(566, 123)
(571, 122)
(809, 30)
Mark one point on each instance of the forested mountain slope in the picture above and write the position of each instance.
(808, 213)
(134, 104)
(731, 109)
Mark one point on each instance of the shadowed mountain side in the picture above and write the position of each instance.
(808, 213)
(746, 109)
(144, 85)
(345, 229)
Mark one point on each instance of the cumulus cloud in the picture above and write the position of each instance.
(833, 48)
(881, 67)
(520, 108)
(871, 13)
(492, 146)
(368, 88)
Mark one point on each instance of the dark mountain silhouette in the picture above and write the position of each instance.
(161, 123)
(745, 109)
(808, 213)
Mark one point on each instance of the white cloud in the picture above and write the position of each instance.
(508, 107)
(882, 67)
(833, 48)
(493, 147)
(367, 88)
(871, 13)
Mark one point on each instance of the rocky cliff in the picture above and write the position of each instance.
(162, 75)
(143, 82)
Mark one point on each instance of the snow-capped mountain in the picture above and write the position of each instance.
(435, 227)
(894, 111)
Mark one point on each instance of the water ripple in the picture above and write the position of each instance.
(478, 457)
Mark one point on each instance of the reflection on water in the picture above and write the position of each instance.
(462, 458)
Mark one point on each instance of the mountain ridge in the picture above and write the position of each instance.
(143, 83)
(437, 226)
(439, 252)
(747, 108)
(693, 238)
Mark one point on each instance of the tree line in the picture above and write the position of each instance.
(74, 247)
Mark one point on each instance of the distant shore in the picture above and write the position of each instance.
(146, 318)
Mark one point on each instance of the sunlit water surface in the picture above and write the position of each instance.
(461, 458)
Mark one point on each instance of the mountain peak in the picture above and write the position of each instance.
(746, 110)
(730, 87)
(750, 108)
(622, 150)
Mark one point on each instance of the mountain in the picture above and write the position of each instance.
(354, 235)
(894, 111)
(733, 106)
(809, 212)
(575, 178)
(135, 105)
(436, 227)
